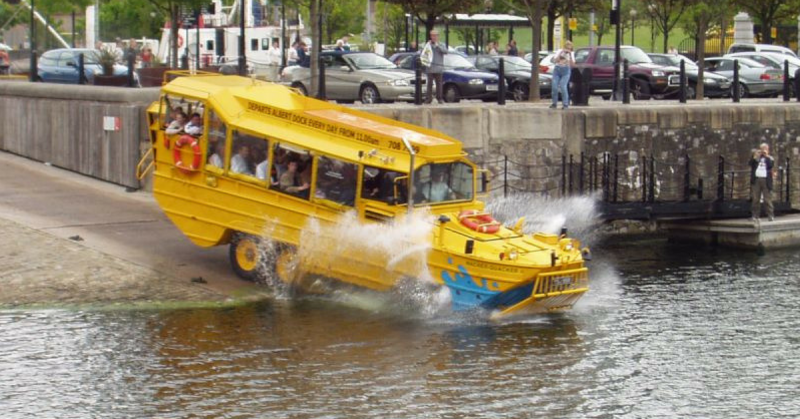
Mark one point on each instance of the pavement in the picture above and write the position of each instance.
(61, 229)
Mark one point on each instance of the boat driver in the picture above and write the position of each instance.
(439, 190)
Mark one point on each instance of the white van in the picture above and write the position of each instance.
(741, 47)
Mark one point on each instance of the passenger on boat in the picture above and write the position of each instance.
(195, 125)
(290, 181)
(261, 170)
(218, 157)
(240, 162)
(439, 190)
(176, 126)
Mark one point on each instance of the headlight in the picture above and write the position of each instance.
(476, 81)
(398, 82)
(658, 73)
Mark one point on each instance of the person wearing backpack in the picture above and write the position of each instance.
(432, 58)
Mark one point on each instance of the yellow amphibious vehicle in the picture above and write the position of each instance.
(251, 159)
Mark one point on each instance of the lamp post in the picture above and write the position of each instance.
(633, 25)
(651, 8)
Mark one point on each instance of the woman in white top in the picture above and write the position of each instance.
(564, 60)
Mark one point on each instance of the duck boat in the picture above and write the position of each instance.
(268, 161)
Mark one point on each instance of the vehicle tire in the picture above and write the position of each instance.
(640, 89)
(743, 91)
(520, 92)
(691, 91)
(369, 95)
(285, 268)
(247, 259)
(300, 88)
(451, 93)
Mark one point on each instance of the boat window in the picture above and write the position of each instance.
(265, 44)
(177, 104)
(249, 157)
(253, 44)
(291, 170)
(378, 184)
(444, 182)
(336, 181)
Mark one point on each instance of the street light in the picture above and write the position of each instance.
(633, 22)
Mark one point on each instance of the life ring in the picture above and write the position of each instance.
(479, 221)
(180, 40)
(176, 153)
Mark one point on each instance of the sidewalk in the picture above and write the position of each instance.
(124, 237)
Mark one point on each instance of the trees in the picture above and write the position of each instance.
(430, 10)
(697, 20)
(768, 13)
(172, 8)
(534, 10)
(666, 14)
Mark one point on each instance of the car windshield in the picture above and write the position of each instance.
(676, 61)
(455, 61)
(443, 182)
(516, 64)
(635, 56)
(368, 61)
(746, 62)
(780, 57)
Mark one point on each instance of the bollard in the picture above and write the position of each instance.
(131, 63)
(682, 92)
(81, 69)
(321, 93)
(786, 81)
(626, 82)
(736, 87)
(185, 62)
(418, 86)
(501, 83)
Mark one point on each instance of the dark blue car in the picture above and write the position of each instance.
(461, 79)
(61, 66)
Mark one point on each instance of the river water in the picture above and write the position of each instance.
(664, 332)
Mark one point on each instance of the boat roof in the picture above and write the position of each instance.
(278, 111)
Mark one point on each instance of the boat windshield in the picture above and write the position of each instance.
(443, 182)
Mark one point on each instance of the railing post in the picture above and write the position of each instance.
(563, 175)
(81, 69)
(797, 84)
(789, 175)
(501, 83)
(682, 92)
(721, 179)
(736, 86)
(686, 178)
(644, 178)
(580, 174)
(505, 176)
(616, 178)
(786, 82)
(571, 183)
(626, 85)
(651, 196)
(321, 93)
(733, 183)
(418, 86)
(700, 189)
(606, 177)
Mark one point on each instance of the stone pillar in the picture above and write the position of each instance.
(743, 29)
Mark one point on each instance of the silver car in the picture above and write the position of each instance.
(755, 79)
(351, 76)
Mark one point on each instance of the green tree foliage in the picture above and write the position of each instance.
(131, 19)
(768, 13)
(391, 21)
(428, 11)
(666, 14)
(697, 20)
(533, 10)
(342, 17)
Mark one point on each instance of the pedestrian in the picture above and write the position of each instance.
(292, 56)
(413, 47)
(512, 48)
(303, 59)
(491, 49)
(339, 46)
(564, 61)
(432, 58)
(346, 42)
(147, 57)
(131, 52)
(761, 174)
(673, 50)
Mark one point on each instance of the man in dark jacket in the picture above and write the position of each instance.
(761, 174)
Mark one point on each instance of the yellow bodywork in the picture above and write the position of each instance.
(505, 271)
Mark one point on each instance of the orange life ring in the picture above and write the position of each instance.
(480, 222)
(180, 40)
(176, 153)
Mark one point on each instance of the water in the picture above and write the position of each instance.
(664, 332)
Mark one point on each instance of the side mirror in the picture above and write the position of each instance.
(345, 68)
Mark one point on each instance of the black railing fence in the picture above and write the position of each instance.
(633, 186)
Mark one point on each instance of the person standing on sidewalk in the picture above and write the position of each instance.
(761, 174)
(564, 61)
(432, 58)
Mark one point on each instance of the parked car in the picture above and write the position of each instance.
(714, 85)
(754, 79)
(61, 66)
(543, 53)
(517, 74)
(773, 60)
(351, 76)
(647, 78)
(745, 47)
(461, 79)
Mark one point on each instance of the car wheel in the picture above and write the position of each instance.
(369, 95)
(640, 89)
(300, 88)
(520, 91)
(451, 93)
(743, 91)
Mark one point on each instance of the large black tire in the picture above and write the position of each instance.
(520, 91)
(300, 88)
(247, 258)
(451, 93)
(743, 91)
(369, 94)
(640, 89)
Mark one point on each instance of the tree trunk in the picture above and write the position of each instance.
(430, 24)
(533, 88)
(666, 40)
(701, 57)
(551, 28)
(173, 34)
